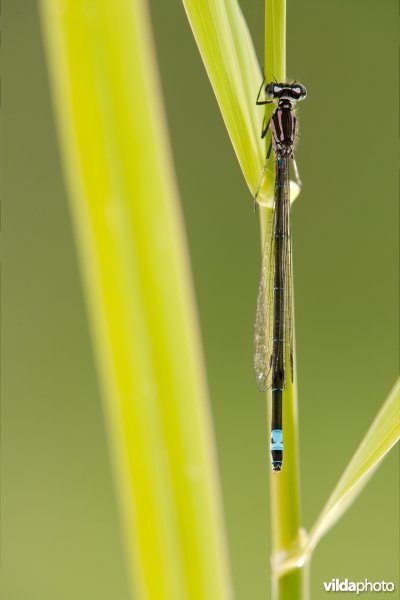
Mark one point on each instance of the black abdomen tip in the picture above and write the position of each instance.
(276, 460)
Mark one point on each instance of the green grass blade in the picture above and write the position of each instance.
(380, 438)
(275, 40)
(134, 265)
(229, 57)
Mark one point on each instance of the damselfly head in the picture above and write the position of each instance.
(291, 91)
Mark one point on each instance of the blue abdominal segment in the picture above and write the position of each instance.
(276, 449)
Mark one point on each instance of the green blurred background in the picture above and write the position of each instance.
(59, 527)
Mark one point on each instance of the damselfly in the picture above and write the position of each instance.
(273, 339)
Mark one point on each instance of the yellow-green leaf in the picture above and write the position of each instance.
(140, 302)
(229, 57)
(380, 438)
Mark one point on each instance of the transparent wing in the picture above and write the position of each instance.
(264, 312)
(288, 324)
(263, 331)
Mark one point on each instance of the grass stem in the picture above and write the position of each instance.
(287, 536)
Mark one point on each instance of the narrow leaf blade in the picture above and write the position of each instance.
(133, 257)
(380, 438)
(229, 57)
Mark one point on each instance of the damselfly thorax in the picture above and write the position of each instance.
(283, 129)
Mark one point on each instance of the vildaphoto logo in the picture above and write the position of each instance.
(337, 585)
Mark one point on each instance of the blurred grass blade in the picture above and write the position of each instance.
(134, 265)
(380, 438)
(229, 57)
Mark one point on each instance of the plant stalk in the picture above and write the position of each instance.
(287, 535)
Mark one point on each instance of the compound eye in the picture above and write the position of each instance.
(299, 92)
(269, 91)
(273, 91)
